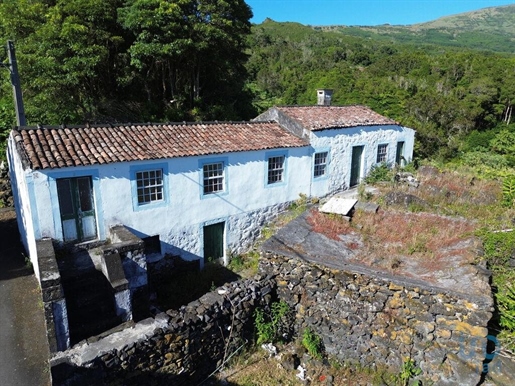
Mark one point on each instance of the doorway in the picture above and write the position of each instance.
(399, 156)
(356, 165)
(77, 209)
(214, 241)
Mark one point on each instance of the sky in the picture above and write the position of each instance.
(363, 12)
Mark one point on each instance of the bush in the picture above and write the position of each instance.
(478, 159)
(274, 326)
(498, 247)
(378, 173)
(313, 343)
(508, 192)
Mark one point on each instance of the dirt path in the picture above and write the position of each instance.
(23, 345)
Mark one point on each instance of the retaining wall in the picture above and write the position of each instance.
(179, 347)
(377, 321)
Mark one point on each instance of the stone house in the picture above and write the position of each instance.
(203, 189)
(131, 197)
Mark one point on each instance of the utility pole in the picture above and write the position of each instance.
(15, 81)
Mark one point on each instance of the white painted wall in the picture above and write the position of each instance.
(21, 182)
(247, 204)
(340, 143)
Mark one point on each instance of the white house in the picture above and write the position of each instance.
(202, 188)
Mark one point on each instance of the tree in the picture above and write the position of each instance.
(191, 51)
(70, 54)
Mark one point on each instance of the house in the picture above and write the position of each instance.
(202, 188)
(201, 191)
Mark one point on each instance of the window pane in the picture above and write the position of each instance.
(320, 164)
(381, 153)
(213, 177)
(85, 194)
(275, 169)
(65, 197)
(149, 186)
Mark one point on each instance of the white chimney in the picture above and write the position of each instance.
(324, 96)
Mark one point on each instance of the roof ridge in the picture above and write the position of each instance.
(129, 124)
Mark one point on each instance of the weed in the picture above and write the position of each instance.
(313, 343)
(362, 192)
(408, 371)
(236, 263)
(270, 326)
(508, 191)
(28, 262)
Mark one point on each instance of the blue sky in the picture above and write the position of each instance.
(363, 12)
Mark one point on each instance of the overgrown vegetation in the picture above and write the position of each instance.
(313, 343)
(273, 325)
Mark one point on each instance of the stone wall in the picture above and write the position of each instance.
(179, 347)
(376, 320)
(56, 315)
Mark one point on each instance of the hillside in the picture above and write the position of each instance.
(486, 29)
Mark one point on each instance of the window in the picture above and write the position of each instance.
(149, 186)
(320, 164)
(213, 177)
(381, 153)
(275, 169)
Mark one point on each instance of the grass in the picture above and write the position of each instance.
(256, 368)
(246, 264)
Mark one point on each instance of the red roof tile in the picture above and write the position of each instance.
(330, 117)
(57, 147)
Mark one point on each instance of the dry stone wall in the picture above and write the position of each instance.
(381, 322)
(179, 347)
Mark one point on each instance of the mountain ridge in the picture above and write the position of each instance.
(490, 29)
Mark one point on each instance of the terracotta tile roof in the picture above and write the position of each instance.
(330, 117)
(56, 147)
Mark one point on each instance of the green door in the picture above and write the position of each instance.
(214, 241)
(355, 169)
(77, 209)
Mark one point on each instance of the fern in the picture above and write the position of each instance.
(508, 191)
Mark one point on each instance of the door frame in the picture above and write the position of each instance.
(224, 239)
(54, 201)
(74, 190)
(361, 165)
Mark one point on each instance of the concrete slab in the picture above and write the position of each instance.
(338, 205)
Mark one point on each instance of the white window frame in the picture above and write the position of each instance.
(382, 153)
(319, 167)
(276, 167)
(213, 177)
(153, 189)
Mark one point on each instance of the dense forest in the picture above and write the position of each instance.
(154, 60)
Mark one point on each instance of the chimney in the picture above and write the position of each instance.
(324, 96)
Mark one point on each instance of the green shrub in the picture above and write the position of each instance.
(498, 247)
(481, 159)
(408, 370)
(378, 173)
(313, 343)
(508, 191)
(273, 326)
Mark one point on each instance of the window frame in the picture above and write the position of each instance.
(134, 170)
(325, 164)
(225, 175)
(268, 157)
(380, 155)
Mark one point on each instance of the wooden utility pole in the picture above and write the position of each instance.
(15, 81)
